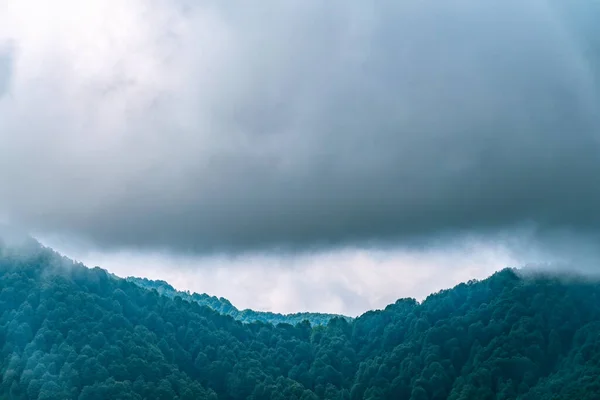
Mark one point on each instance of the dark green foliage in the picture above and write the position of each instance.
(69, 332)
(223, 306)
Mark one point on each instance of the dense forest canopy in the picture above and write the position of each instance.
(224, 306)
(69, 332)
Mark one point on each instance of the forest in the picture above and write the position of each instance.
(71, 332)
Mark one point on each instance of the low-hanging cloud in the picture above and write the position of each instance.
(203, 126)
(346, 281)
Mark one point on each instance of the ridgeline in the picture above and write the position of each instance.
(70, 332)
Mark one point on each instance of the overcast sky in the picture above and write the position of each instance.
(370, 150)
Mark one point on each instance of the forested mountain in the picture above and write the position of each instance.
(69, 332)
(224, 306)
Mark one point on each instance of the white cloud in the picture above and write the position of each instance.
(348, 281)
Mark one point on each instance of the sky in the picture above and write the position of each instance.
(304, 155)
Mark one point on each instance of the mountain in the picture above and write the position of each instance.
(70, 332)
(223, 306)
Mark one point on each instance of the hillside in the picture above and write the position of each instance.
(224, 306)
(69, 332)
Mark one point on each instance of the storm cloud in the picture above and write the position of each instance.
(220, 126)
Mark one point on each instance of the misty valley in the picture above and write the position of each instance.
(70, 332)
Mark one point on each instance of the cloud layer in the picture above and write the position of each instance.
(208, 126)
(347, 281)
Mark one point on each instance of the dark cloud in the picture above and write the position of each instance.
(210, 127)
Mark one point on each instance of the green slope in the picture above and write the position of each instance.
(69, 332)
(223, 306)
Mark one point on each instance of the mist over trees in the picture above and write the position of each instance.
(69, 332)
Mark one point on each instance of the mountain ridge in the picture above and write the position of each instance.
(71, 332)
(224, 306)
